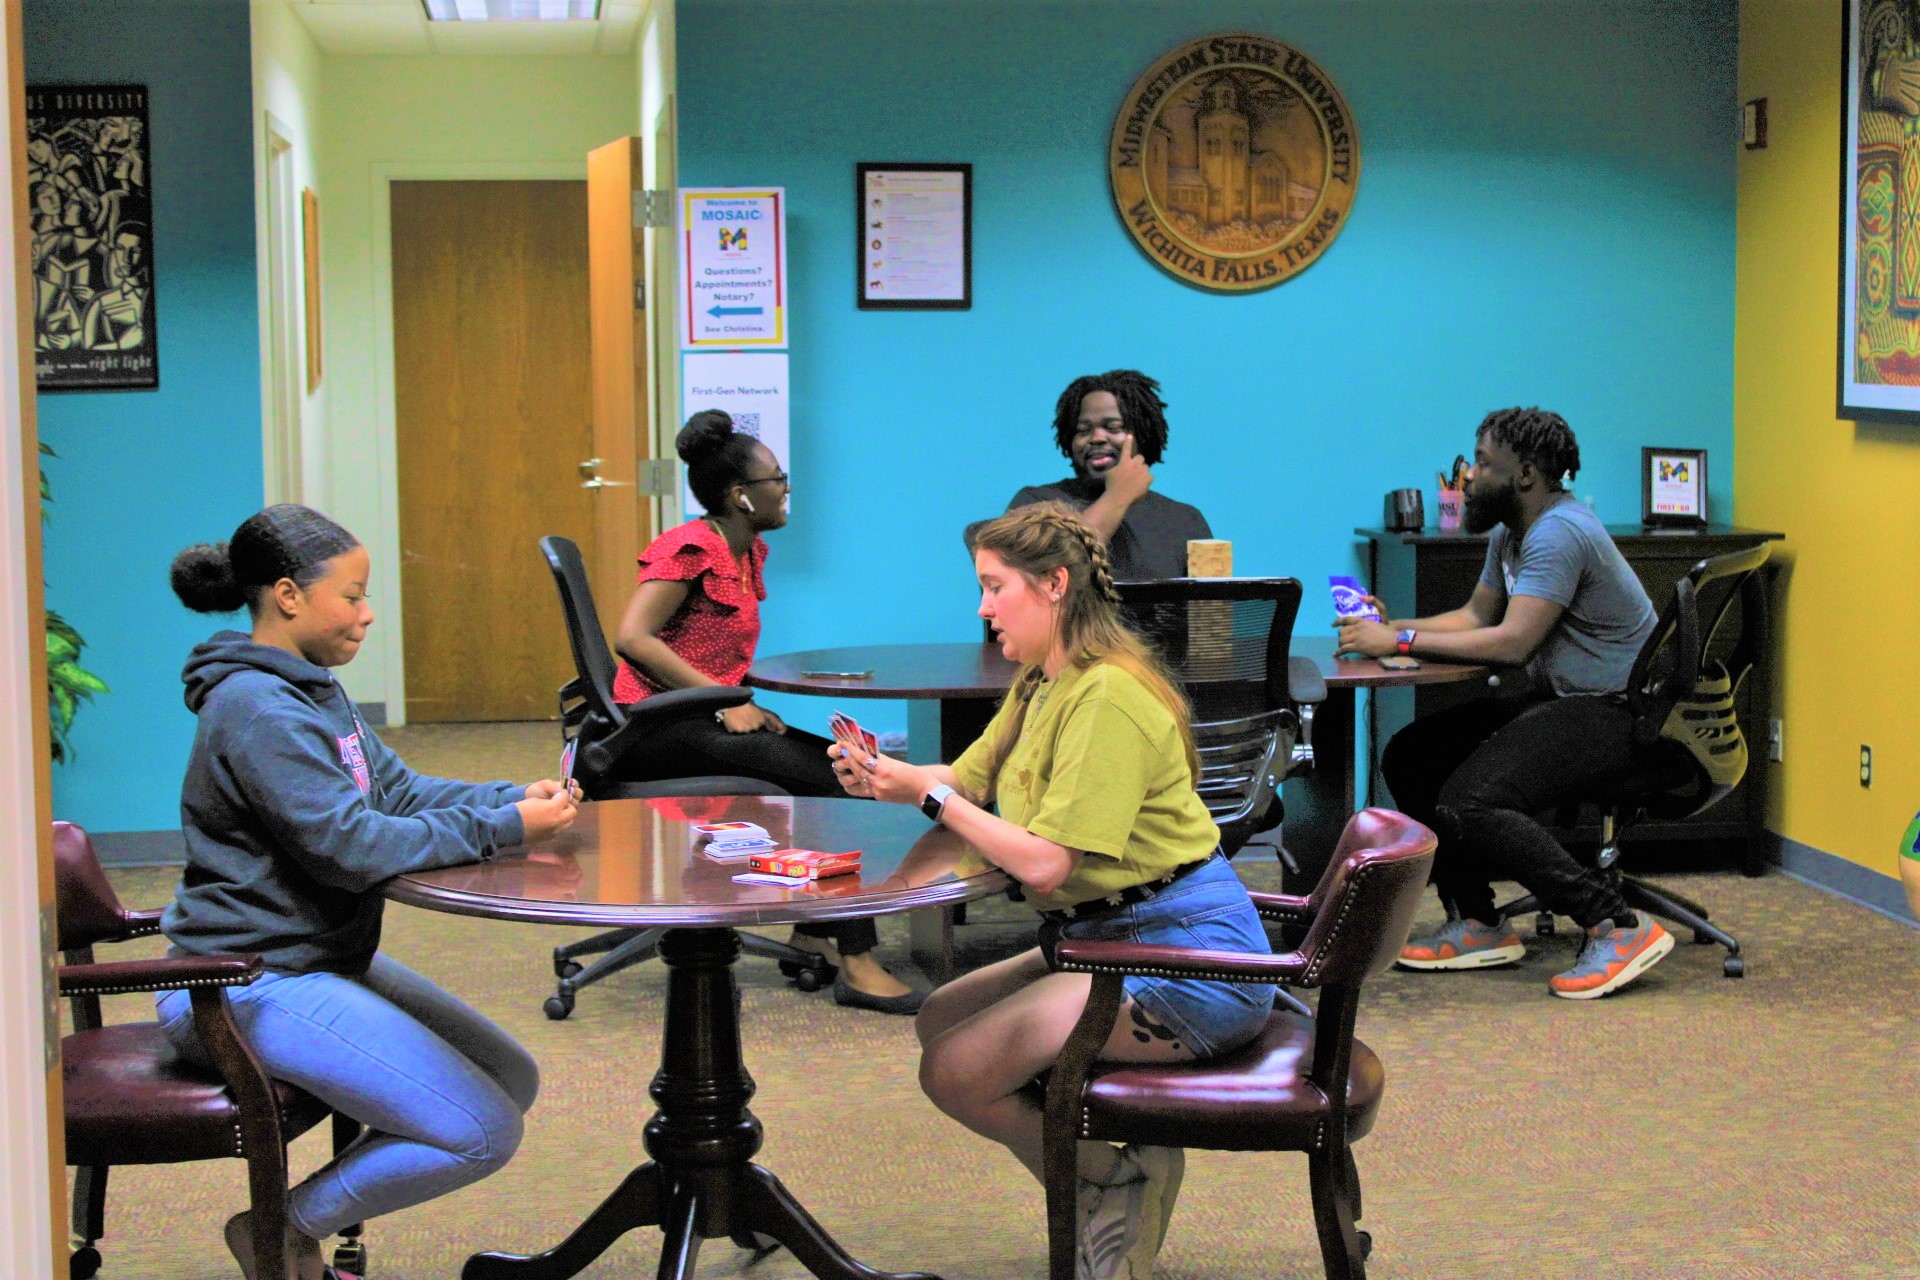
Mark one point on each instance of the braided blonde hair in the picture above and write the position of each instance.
(1036, 540)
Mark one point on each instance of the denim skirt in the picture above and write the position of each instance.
(1206, 909)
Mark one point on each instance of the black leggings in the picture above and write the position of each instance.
(796, 761)
(1478, 774)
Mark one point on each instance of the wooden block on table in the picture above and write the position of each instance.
(1209, 558)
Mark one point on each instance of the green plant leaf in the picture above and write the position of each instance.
(60, 649)
(60, 707)
(80, 681)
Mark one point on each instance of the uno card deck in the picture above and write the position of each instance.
(807, 864)
(848, 733)
(567, 753)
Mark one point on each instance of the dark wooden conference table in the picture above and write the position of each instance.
(951, 688)
(637, 863)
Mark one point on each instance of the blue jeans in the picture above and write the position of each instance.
(1207, 909)
(440, 1088)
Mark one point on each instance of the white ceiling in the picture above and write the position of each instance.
(401, 27)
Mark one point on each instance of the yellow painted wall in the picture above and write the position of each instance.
(1846, 494)
(423, 117)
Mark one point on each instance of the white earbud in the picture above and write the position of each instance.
(746, 502)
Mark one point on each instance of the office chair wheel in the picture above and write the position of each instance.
(84, 1263)
(351, 1257)
(558, 1006)
(808, 977)
(571, 969)
(1366, 1244)
(1543, 925)
(1734, 967)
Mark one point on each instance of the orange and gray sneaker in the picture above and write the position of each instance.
(1612, 956)
(1464, 944)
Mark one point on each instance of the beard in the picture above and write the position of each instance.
(1485, 509)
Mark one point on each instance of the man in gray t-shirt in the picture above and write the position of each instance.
(1113, 429)
(1557, 602)
(1567, 557)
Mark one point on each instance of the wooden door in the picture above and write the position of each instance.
(494, 414)
(622, 436)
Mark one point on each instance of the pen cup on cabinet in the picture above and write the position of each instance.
(1452, 502)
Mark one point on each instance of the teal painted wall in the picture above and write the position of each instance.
(1545, 215)
(143, 473)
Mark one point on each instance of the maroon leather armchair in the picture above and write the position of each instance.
(1304, 1084)
(130, 1100)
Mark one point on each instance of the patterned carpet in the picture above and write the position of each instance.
(1691, 1126)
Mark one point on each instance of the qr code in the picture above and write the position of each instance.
(748, 423)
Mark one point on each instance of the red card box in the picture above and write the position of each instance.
(810, 864)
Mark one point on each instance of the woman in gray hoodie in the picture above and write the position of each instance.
(294, 813)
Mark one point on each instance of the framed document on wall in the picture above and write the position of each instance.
(914, 225)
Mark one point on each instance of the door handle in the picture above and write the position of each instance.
(590, 466)
(597, 483)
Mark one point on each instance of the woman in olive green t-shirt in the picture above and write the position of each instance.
(1091, 764)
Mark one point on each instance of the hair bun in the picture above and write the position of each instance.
(705, 433)
(202, 576)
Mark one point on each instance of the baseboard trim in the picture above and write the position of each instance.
(1862, 885)
(140, 848)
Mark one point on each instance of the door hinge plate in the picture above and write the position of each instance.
(657, 477)
(653, 208)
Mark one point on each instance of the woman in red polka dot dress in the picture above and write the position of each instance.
(695, 620)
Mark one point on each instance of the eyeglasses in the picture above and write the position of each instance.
(780, 478)
(1112, 426)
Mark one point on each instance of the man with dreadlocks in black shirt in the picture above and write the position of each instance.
(1112, 428)
(1556, 602)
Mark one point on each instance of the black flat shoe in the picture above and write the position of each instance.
(851, 996)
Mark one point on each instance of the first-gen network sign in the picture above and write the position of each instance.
(733, 267)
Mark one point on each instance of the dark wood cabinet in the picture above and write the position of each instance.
(1428, 572)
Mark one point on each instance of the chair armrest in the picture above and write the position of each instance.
(1284, 907)
(142, 924)
(1306, 684)
(184, 973)
(1176, 962)
(647, 715)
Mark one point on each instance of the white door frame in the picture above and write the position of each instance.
(283, 385)
(29, 1028)
(386, 550)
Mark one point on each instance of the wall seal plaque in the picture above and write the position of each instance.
(1234, 162)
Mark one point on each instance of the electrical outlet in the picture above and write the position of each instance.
(1866, 765)
(1776, 740)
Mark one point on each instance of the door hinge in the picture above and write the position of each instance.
(653, 208)
(657, 477)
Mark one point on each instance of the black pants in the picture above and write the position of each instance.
(1479, 773)
(700, 746)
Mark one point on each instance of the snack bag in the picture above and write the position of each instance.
(1349, 598)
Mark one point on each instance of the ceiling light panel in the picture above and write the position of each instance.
(512, 10)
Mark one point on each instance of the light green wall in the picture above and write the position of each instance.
(423, 117)
(288, 85)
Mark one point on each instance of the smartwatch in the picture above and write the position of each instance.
(1403, 643)
(935, 802)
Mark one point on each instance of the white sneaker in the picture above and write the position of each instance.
(1110, 1219)
(1166, 1168)
(1124, 1220)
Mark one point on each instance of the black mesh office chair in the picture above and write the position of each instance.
(605, 729)
(1692, 748)
(1228, 641)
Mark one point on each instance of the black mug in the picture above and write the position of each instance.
(1406, 510)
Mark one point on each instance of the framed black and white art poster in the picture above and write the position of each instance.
(90, 208)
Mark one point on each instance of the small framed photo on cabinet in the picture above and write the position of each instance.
(1673, 487)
